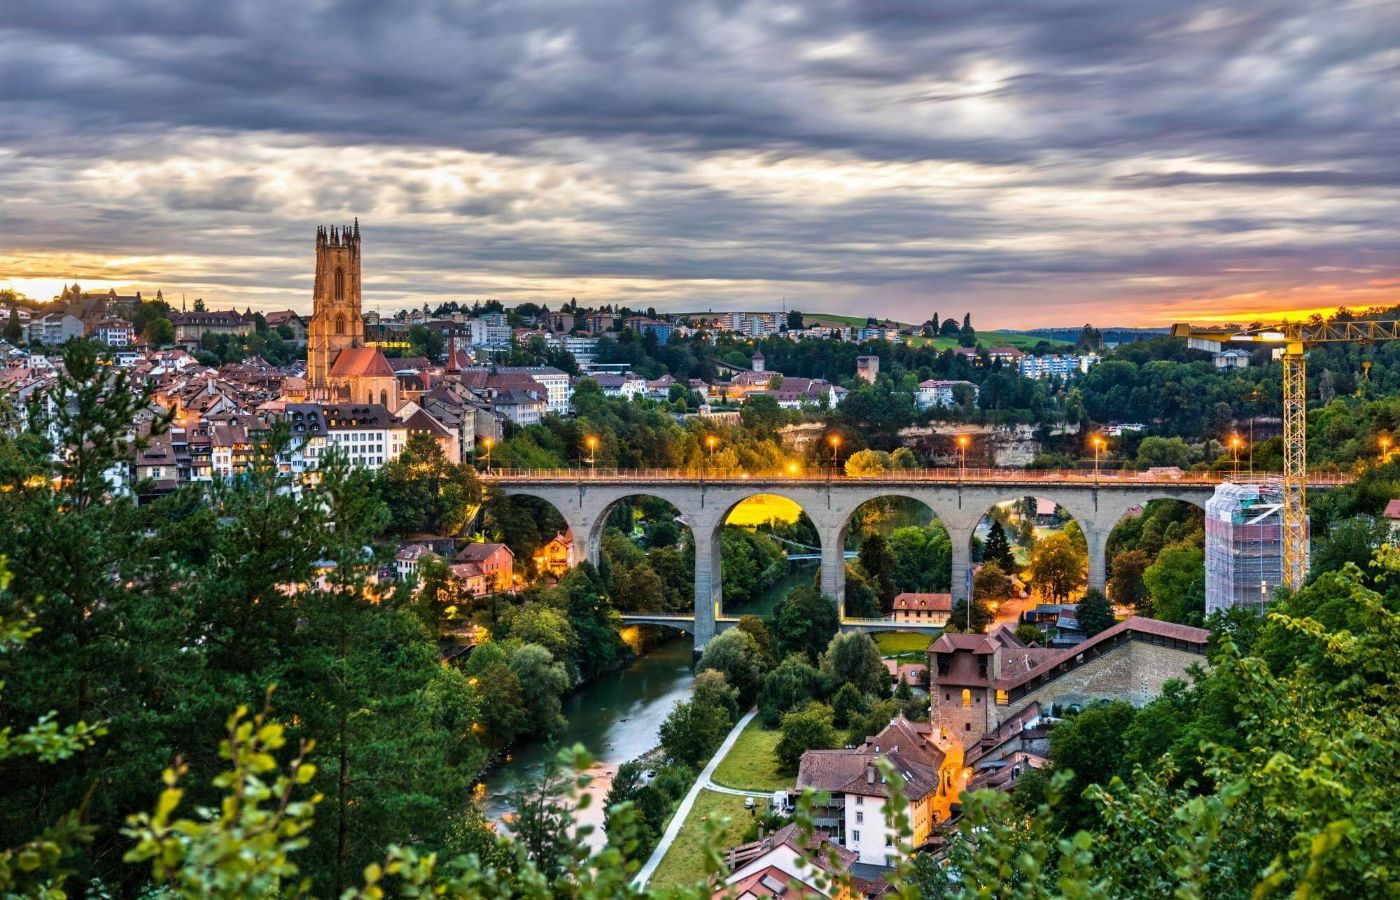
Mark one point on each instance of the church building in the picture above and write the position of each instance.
(339, 367)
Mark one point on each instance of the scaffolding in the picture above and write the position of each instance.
(1245, 545)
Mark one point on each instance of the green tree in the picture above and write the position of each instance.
(1126, 580)
(998, 548)
(1095, 613)
(754, 627)
(426, 492)
(1090, 745)
(693, 731)
(804, 622)
(1176, 582)
(1156, 451)
(967, 335)
(808, 728)
(159, 332)
(13, 330)
(848, 703)
(735, 655)
(1057, 567)
(543, 682)
(878, 563)
(989, 582)
(793, 684)
(980, 616)
(854, 659)
(867, 463)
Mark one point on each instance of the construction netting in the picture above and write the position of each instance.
(1244, 545)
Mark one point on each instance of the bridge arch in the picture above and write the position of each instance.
(1015, 534)
(918, 545)
(762, 529)
(652, 565)
(1137, 536)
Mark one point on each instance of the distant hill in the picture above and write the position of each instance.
(1110, 335)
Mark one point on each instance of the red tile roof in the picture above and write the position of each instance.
(354, 362)
(912, 601)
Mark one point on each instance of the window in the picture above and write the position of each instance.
(1002, 698)
(967, 726)
(860, 817)
(339, 324)
(860, 801)
(855, 836)
(966, 699)
(339, 294)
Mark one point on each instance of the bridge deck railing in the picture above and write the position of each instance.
(900, 476)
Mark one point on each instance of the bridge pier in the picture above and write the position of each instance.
(962, 563)
(708, 586)
(1097, 540)
(833, 571)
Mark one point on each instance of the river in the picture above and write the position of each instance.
(616, 717)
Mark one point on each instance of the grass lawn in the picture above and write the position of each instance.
(751, 764)
(901, 643)
(684, 863)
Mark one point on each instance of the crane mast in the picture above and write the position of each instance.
(1296, 338)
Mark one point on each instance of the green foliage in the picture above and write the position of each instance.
(848, 703)
(1176, 582)
(998, 549)
(877, 562)
(1128, 568)
(1095, 613)
(159, 332)
(694, 730)
(426, 493)
(735, 655)
(974, 621)
(923, 558)
(804, 622)
(990, 582)
(1057, 567)
(1027, 633)
(808, 728)
(244, 847)
(791, 685)
(853, 659)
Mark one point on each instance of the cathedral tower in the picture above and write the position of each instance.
(336, 323)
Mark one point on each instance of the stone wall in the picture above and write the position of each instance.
(1012, 446)
(1134, 672)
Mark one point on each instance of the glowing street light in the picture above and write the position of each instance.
(835, 441)
(792, 470)
(592, 443)
(489, 442)
(1098, 448)
(1385, 448)
(1235, 443)
(962, 456)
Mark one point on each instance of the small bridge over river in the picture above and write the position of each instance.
(958, 497)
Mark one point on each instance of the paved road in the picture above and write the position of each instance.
(682, 811)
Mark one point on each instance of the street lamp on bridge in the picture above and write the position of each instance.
(962, 456)
(835, 441)
(1098, 447)
(592, 443)
(489, 442)
(1235, 443)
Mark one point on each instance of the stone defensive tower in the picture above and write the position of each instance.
(336, 322)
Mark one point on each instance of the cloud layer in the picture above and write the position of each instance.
(1045, 162)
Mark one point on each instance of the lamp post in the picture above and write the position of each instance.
(592, 443)
(1098, 446)
(792, 470)
(835, 440)
(1385, 448)
(489, 442)
(962, 456)
(1235, 448)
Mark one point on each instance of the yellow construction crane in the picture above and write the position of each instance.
(1295, 338)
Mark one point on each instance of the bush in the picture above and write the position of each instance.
(809, 728)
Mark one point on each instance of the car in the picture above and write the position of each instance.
(748, 803)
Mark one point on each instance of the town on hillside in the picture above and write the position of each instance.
(827, 607)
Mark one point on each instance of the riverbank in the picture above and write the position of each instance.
(616, 717)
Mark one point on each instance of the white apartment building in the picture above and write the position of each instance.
(366, 433)
(943, 394)
(555, 383)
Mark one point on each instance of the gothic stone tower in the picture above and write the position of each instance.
(336, 323)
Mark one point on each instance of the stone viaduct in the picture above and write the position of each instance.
(1097, 504)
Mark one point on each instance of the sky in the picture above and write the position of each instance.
(1037, 163)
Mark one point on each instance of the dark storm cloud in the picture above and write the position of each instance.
(844, 147)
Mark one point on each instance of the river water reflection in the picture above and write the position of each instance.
(616, 717)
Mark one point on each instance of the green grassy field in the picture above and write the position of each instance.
(751, 764)
(988, 339)
(902, 643)
(684, 863)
